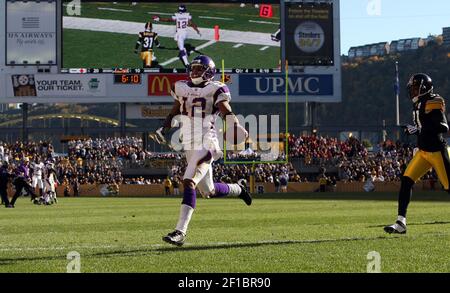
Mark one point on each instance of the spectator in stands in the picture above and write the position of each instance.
(176, 186)
(276, 183)
(284, 182)
(76, 187)
(333, 183)
(167, 185)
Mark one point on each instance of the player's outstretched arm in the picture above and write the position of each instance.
(161, 132)
(226, 112)
(138, 44)
(156, 18)
(195, 27)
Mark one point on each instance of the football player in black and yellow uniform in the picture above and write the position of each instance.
(147, 39)
(430, 123)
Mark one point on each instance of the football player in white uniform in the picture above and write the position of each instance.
(183, 20)
(37, 168)
(198, 101)
(50, 184)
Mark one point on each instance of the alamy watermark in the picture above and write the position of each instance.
(207, 132)
(373, 7)
(74, 265)
(73, 8)
(374, 264)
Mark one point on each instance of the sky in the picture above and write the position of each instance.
(372, 21)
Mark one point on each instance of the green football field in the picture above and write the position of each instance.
(88, 49)
(207, 15)
(297, 233)
(93, 49)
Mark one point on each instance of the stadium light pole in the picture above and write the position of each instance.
(397, 96)
(397, 101)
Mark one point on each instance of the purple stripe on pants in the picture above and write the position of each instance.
(221, 189)
(189, 197)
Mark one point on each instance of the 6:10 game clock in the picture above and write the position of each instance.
(127, 78)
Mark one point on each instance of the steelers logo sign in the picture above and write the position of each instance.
(309, 37)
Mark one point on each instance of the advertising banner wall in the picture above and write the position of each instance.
(47, 85)
(155, 89)
(31, 33)
(136, 111)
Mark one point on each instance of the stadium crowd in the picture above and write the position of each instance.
(101, 161)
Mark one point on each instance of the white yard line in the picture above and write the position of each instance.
(213, 17)
(263, 22)
(171, 60)
(264, 48)
(157, 13)
(114, 9)
(207, 44)
(166, 30)
(238, 45)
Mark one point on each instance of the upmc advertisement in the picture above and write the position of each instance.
(274, 84)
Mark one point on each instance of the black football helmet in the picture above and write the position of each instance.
(419, 84)
(148, 27)
(182, 8)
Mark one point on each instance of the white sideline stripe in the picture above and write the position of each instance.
(263, 22)
(196, 48)
(162, 13)
(238, 45)
(114, 9)
(167, 30)
(213, 17)
(171, 60)
(218, 244)
(264, 48)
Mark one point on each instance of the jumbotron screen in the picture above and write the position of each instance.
(167, 35)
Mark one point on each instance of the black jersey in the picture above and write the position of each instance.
(430, 117)
(147, 40)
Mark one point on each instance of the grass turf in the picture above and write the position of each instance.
(89, 49)
(205, 15)
(292, 233)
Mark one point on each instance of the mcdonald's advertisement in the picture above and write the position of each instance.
(160, 84)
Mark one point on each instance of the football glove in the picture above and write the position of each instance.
(411, 129)
(160, 136)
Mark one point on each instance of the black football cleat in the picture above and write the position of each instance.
(397, 228)
(175, 238)
(245, 195)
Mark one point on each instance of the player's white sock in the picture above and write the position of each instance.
(235, 189)
(185, 217)
(185, 60)
(402, 219)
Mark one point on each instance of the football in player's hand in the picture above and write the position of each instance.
(236, 134)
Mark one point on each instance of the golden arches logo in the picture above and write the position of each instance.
(160, 82)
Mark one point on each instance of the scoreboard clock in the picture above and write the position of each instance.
(127, 78)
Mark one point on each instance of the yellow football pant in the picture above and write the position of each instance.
(147, 58)
(423, 161)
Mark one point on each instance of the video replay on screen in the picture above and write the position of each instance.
(169, 34)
